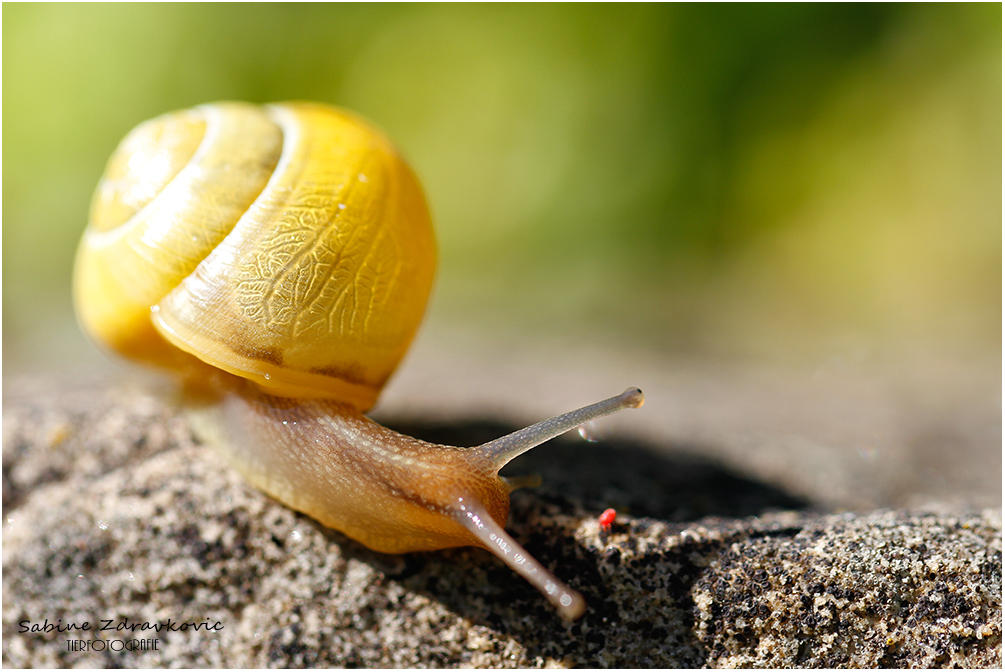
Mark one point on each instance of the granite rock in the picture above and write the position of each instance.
(114, 514)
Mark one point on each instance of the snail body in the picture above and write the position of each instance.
(279, 259)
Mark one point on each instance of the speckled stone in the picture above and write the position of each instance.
(113, 512)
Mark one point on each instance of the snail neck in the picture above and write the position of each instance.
(328, 460)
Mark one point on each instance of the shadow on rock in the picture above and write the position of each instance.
(629, 476)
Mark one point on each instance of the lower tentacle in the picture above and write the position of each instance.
(470, 513)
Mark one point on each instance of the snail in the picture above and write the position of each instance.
(278, 260)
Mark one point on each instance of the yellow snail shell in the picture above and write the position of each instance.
(289, 245)
(279, 259)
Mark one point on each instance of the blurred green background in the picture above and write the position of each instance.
(764, 182)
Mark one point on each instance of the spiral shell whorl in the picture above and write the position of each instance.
(293, 248)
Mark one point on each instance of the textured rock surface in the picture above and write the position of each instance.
(112, 512)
